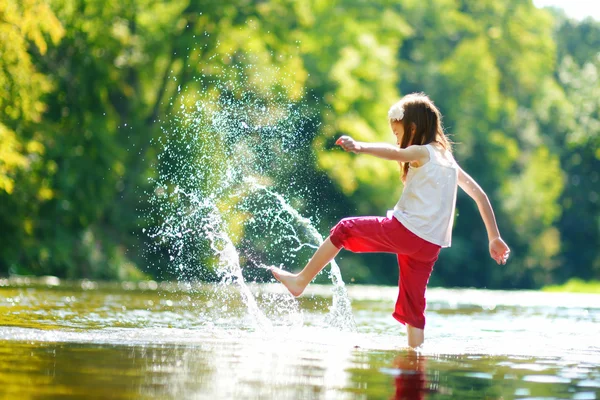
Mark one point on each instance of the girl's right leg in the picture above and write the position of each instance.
(296, 283)
(359, 234)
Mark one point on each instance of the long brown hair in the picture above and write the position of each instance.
(424, 118)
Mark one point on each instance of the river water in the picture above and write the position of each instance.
(176, 341)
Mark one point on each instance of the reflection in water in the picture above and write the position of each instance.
(276, 370)
(410, 381)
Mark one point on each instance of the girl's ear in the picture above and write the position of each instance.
(413, 128)
(413, 131)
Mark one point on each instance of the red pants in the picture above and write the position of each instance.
(416, 257)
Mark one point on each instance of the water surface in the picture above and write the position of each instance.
(149, 340)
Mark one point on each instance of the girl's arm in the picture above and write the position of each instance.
(385, 150)
(499, 251)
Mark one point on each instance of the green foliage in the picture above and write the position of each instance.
(575, 285)
(87, 84)
(577, 140)
(25, 28)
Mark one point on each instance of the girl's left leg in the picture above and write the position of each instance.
(416, 336)
(410, 307)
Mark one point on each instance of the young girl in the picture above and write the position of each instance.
(421, 222)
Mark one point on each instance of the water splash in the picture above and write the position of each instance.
(230, 270)
(222, 154)
(340, 314)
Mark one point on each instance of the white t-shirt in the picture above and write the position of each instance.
(426, 206)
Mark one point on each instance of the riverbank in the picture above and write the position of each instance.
(575, 286)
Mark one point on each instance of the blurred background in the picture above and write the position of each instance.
(88, 88)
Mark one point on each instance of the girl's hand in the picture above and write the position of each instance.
(499, 250)
(349, 144)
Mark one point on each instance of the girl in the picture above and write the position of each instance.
(421, 222)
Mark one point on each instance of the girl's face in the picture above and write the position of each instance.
(398, 130)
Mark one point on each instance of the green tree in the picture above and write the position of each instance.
(24, 171)
(482, 65)
(93, 90)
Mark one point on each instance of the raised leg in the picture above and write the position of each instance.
(296, 283)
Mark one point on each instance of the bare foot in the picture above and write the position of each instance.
(289, 280)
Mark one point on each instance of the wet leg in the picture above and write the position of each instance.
(296, 283)
(416, 336)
